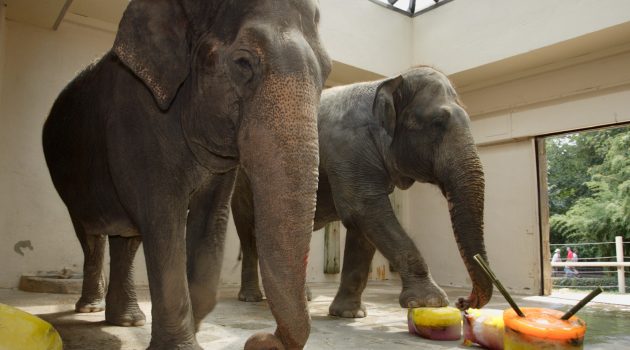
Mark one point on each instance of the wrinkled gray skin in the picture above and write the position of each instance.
(373, 137)
(159, 126)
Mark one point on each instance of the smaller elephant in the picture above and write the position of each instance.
(373, 137)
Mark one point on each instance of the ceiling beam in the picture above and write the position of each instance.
(62, 14)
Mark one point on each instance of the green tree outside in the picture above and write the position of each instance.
(589, 188)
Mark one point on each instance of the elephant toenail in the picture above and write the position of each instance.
(346, 314)
(360, 313)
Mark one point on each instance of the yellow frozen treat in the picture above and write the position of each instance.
(437, 323)
(20, 330)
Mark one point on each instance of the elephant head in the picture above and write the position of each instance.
(429, 140)
(245, 78)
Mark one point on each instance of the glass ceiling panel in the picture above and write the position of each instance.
(411, 6)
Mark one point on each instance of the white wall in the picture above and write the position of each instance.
(466, 34)
(3, 30)
(511, 214)
(510, 221)
(363, 34)
(596, 90)
(592, 110)
(38, 64)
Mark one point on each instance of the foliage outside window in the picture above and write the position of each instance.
(589, 188)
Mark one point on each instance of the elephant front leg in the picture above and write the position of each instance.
(93, 289)
(381, 227)
(205, 240)
(121, 303)
(357, 257)
(164, 243)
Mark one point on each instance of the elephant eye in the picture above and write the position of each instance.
(442, 117)
(243, 66)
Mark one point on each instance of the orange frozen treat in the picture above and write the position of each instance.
(542, 329)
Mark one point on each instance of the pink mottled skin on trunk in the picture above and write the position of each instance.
(280, 147)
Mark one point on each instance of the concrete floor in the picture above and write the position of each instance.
(232, 322)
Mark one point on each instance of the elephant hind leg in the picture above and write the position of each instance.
(358, 256)
(122, 304)
(243, 214)
(93, 288)
(244, 222)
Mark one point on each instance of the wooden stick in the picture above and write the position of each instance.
(582, 303)
(498, 284)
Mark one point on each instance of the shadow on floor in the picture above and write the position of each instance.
(81, 333)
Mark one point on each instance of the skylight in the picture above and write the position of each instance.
(411, 7)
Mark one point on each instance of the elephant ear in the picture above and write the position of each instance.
(152, 42)
(384, 105)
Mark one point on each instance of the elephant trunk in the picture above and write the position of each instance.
(464, 191)
(279, 152)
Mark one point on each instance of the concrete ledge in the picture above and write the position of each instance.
(38, 284)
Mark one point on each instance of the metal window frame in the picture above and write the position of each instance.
(396, 9)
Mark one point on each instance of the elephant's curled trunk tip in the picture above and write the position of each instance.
(263, 341)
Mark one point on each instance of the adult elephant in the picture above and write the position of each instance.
(145, 145)
(373, 137)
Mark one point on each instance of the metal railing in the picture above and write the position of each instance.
(619, 264)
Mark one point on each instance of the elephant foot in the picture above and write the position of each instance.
(129, 316)
(250, 295)
(87, 305)
(347, 308)
(157, 345)
(263, 341)
(423, 294)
